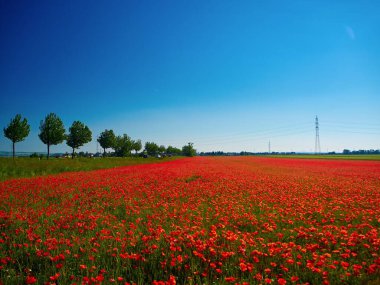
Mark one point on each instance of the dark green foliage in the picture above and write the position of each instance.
(162, 149)
(137, 146)
(79, 134)
(123, 145)
(107, 139)
(17, 131)
(35, 155)
(173, 150)
(188, 150)
(84, 154)
(151, 148)
(52, 131)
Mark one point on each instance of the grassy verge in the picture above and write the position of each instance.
(29, 167)
(331, 156)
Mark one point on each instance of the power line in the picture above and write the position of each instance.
(361, 124)
(248, 133)
(262, 135)
(353, 132)
(250, 139)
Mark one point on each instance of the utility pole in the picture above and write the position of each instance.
(269, 147)
(317, 143)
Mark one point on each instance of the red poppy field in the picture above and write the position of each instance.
(203, 220)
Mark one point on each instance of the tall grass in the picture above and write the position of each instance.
(29, 167)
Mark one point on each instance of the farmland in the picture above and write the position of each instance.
(202, 220)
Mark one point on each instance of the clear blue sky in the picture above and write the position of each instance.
(226, 75)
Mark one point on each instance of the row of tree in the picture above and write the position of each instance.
(52, 132)
(124, 145)
(362, 151)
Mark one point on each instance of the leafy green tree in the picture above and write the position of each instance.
(188, 150)
(173, 150)
(17, 131)
(79, 134)
(162, 149)
(107, 139)
(137, 146)
(151, 148)
(123, 145)
(52, 131)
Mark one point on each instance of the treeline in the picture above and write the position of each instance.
(245, 153)
(52, 132)
(222, 153)
(361, 151)
(124, 146)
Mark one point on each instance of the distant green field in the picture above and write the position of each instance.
(331, 156)
(28, 167)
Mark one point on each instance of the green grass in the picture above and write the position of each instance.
(331, 156)
(29, 167)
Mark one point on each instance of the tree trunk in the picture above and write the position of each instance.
(48, 154)
(104, 152)
(13, 148)
(72, 156)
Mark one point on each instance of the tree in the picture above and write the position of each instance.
(188, 150)
(162, 149)
(17, 131)
(151, 148)
(123, 145)
(137, 146)
(173, 150)
(52, 131)
(107, 139)
(79, 134)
